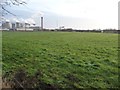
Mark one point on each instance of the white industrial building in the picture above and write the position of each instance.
(20, 25)
(16, 25)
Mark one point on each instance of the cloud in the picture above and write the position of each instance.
(20, 20)
(97, 13)
(15, 20)
(30, 21)
(37, 14)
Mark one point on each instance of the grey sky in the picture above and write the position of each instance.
(78, 14)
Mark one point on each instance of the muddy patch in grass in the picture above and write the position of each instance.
(22, 80)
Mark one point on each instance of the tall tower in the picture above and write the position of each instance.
(41, 23)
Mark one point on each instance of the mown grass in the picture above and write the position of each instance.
(66, 59)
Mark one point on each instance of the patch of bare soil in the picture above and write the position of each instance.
(22, 81)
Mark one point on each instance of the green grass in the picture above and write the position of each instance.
(66, 60)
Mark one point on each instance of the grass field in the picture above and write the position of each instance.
(65, 59)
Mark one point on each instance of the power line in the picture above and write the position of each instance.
(14, 2)
(8, 11)
(9, 2)
(28, 7)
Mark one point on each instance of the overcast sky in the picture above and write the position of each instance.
(76, 14)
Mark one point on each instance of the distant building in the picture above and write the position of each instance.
(36, 28)
(6, 25)
(15, 25)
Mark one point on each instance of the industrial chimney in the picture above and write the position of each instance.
(41, 23)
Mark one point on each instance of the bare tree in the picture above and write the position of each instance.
(4, 11)
(4, 3)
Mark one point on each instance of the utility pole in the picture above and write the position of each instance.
(25, 26)
(119, 15)
(57, 22)
(1, 14)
